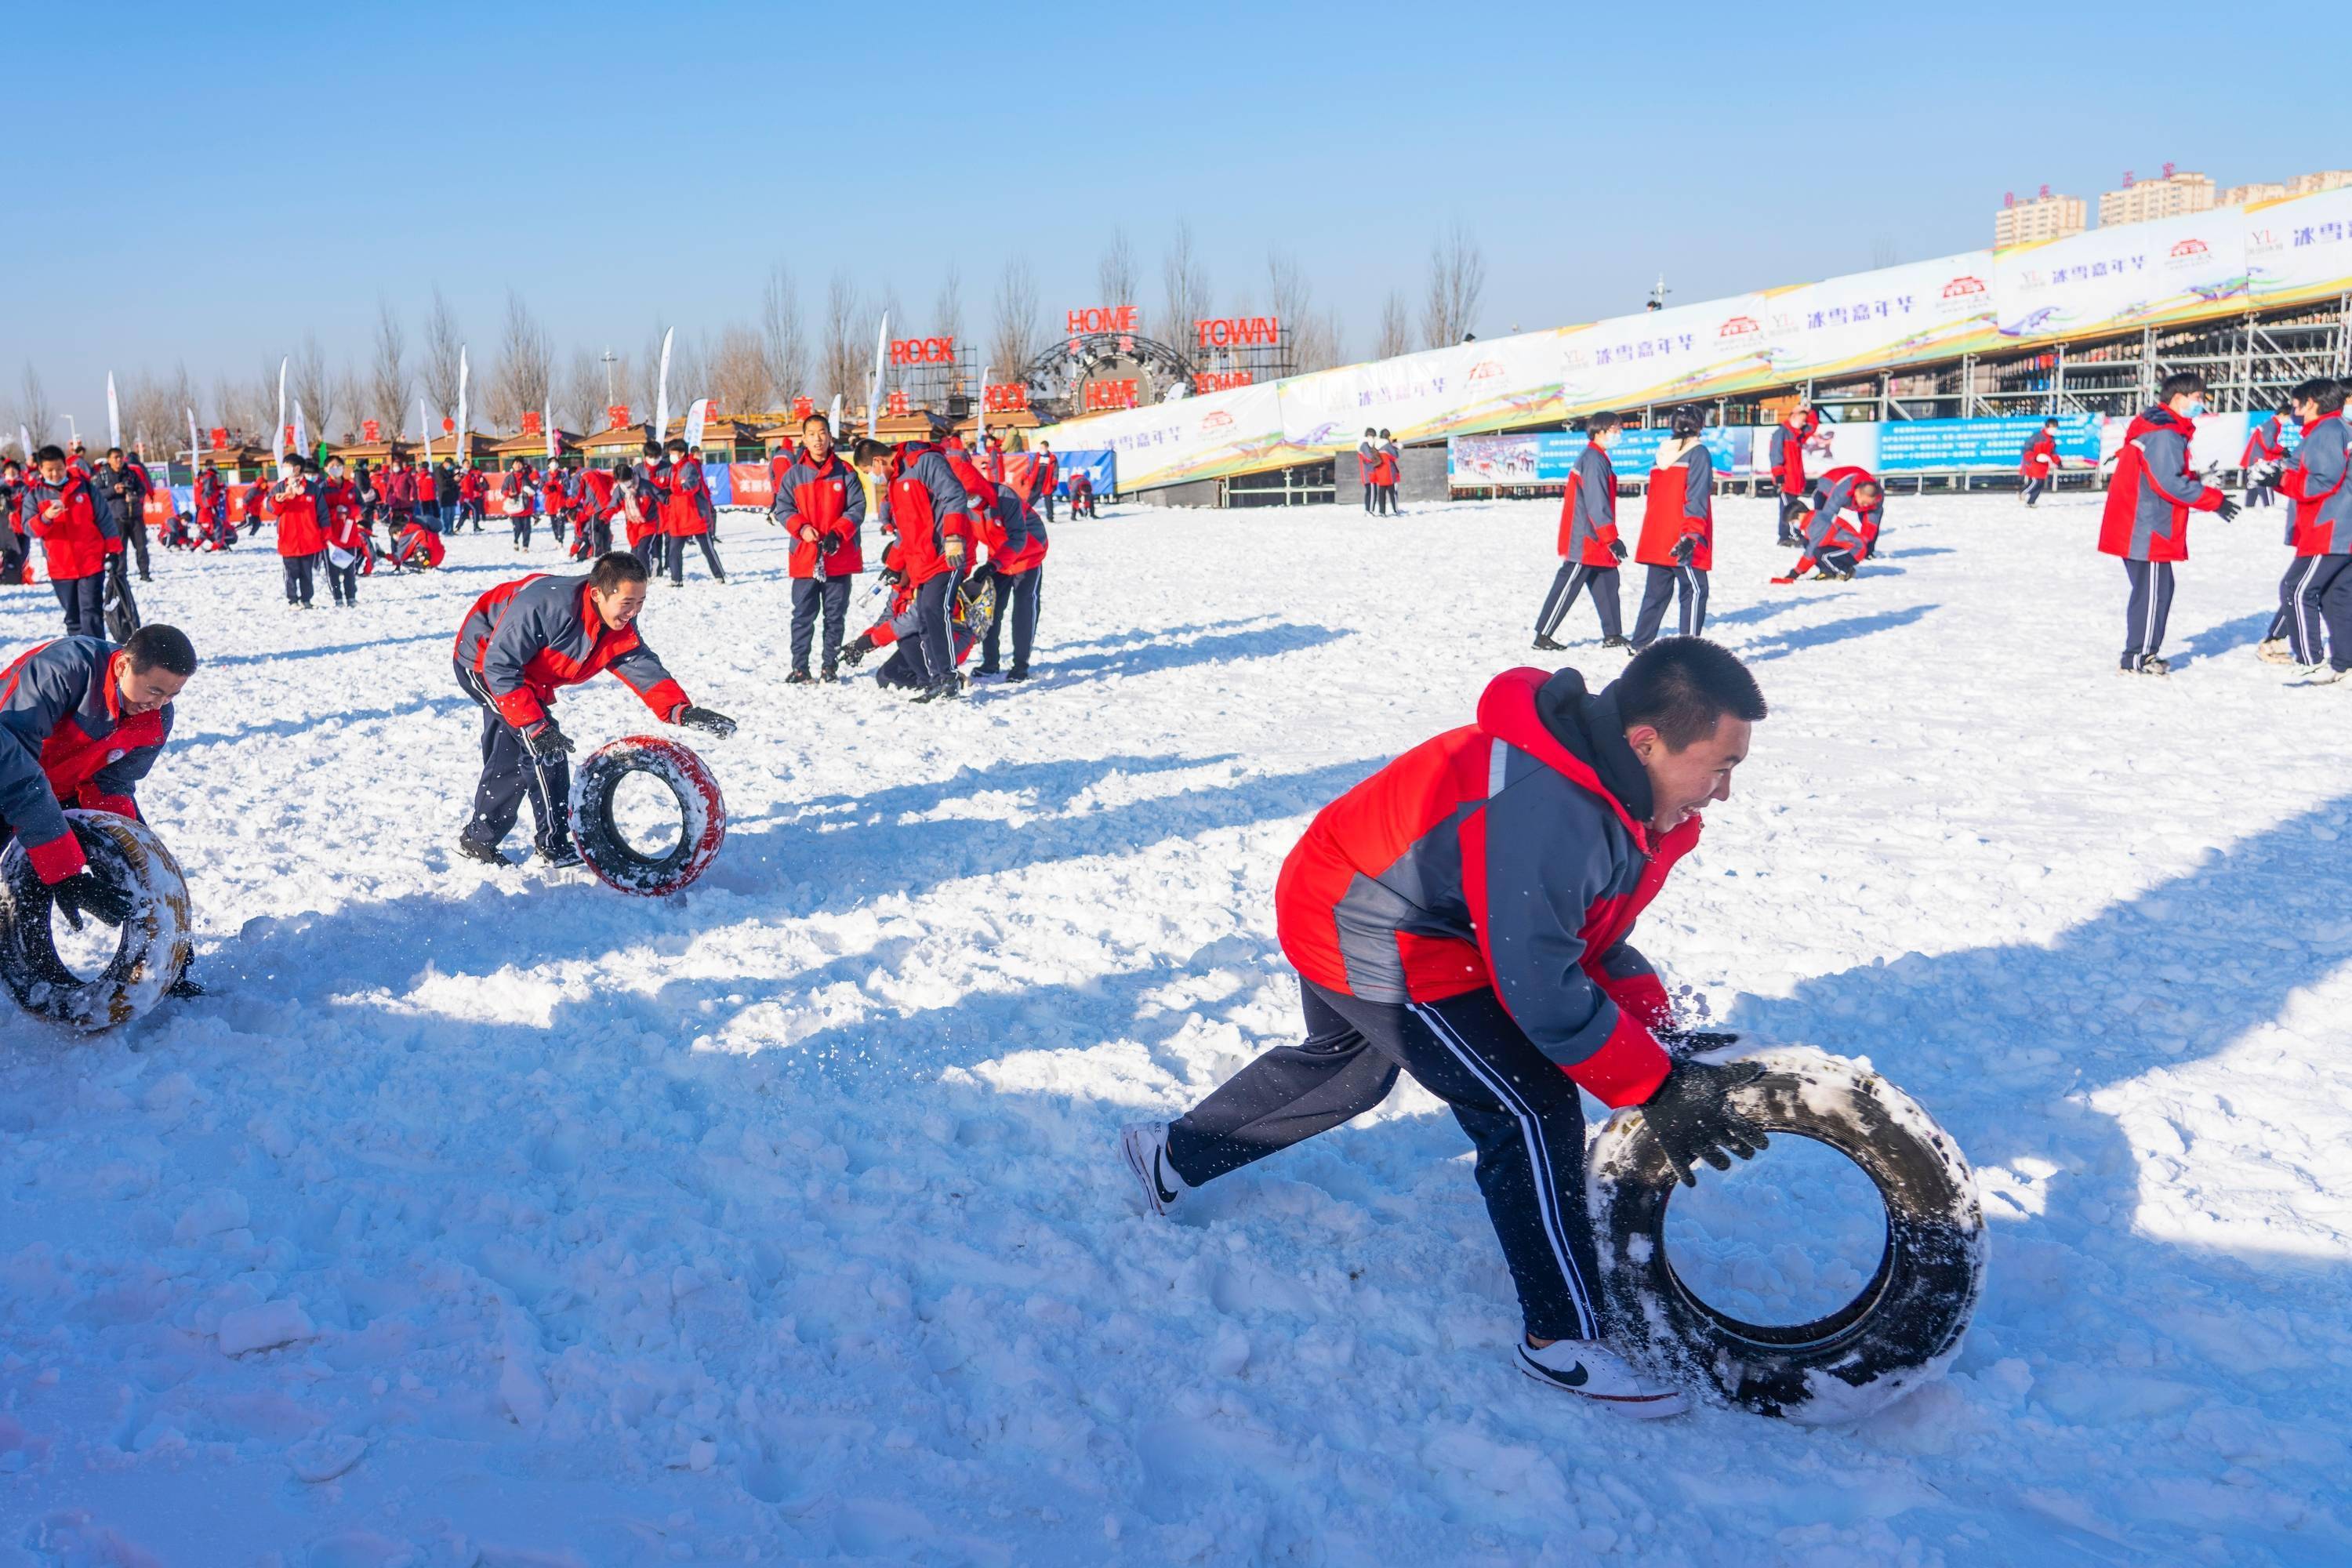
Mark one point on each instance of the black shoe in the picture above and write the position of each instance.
(829, 675)
(487, 854)
(1617, 642)
(185, 987)
(1018, 672)
(1545, 645)
(564, 857)
(952, 687)
(799, 678)
(986, 670)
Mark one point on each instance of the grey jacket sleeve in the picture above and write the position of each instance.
(1548, 860)
(1698, 484)
(1593, 497)
(522, 631)
(641, 669)
(2322, 458)
(45, 690)
(2166, 465)
(785, 507)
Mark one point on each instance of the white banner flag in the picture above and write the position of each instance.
(301, 438)
(278, 431)
(113, 414)
(196, 449)
(874, 386)
(424, 423)
(698, 415)
(547, 423)
(462, 430)
(661, 391)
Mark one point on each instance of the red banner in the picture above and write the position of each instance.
(898, 403)
(534, 424)
(220, 439)
(615, 415)
(803, 406)
(753, 484)
(370, 430)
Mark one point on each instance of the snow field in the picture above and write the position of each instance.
(506, 1220)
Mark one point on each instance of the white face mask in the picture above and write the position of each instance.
(285, 470)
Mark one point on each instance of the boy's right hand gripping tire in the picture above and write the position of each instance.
(1904, 1329)
(151, 950)
(702, 816)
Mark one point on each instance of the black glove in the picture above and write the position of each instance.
(2228, 508)
(547, 742)
(1684, 548)
(1694, 1121)
(83, 894)
(710, 721)
(857, 649)
(830, 544)
(1681, 1043)
(1617, 548)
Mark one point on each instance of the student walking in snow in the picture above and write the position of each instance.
(688, 513)
(2038, 462)
(1590, 549)
(2320, 599)
(1464, 916)
(1677, 543)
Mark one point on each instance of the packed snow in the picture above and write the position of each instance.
(503, 1219)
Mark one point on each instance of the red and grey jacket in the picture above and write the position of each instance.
(1680, 505)
(74, 541)
(828, 498)
(926, 505)
(2323, 501)
(469, 485)
(1788, 457)
(2262, 444)
(1014, 532)
(553, 495)
(1827, 529)
(1588, 512)
(398, 488)
(212, 497)
(903, 620)
(1510, 855)
(65, 740)
(2153, 491)
(689, 511)
(596, 494)
(1048, 471)
(2041, 456)
(300, 531)
(526, 637)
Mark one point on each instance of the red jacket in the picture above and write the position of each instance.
(928, 505)
(299, 531)
(66, 741)
(469, 485)
(1495, 857)
(525, 638)
(828, 499)
(596, 494)
(688, 509)
(1826, 527)
(343, 528)
(73, 542)
(2041, 457)
(1680, 502)
(2264, 443)
(1588, 510)
(2153, 491)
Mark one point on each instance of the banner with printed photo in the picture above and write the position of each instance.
(1685, 353)
(2133, 275)
(1548, 457)
(1896, 315)
(1981, 446)
(2300, 248)
(1490, 385)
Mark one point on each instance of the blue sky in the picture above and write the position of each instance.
(627, 164)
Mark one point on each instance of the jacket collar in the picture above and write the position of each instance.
(1555, 720)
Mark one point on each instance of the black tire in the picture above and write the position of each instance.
(122, 609)
(1904, 1329)
(154, 947)
(702, 816)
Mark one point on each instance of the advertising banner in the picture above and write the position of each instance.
(1548, 457)
(1100, 465)
(1235, 432)
(1488, 384)
(1685, 353)
(2134, 274)
(2300, 248)
(1896, 315)
(1980, 446)
(749, 484)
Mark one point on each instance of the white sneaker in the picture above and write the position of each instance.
(1145, 1147)
(2320, 674)
(1591, 1370)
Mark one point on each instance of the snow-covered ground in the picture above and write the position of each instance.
(506, 1220)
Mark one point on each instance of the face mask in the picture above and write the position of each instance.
(285, 470)
(2196, 408)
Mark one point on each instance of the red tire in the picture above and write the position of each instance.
(702, 816)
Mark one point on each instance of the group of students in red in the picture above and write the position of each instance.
(967, 554)
(83, 518)
(1379, 465)
(1835, 525)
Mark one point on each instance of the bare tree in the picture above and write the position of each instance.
(1396, 328)
(155, 416)
(245, 404)
(580, 394)
(1312, 335)
(781, 336)
(1457, 277)
(351, 394)
(738, 373)
(443, 344)
(1115, 273)
(838, 371)
(387, 384)
(1184, 283)
(690, 371)
(947, 309)
(33, 410)
(1014, 338)
(311, 383)
(525, 367)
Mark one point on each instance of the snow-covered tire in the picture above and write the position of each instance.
(702, 816)
(153, 946)
(1901, 1332)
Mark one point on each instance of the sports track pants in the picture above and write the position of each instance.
(1667, 583)
(1573, 578)
(678, 557)
(2149, 609)
(301, 575)
(2323, 602)
(1016, 600)
(935, 636)
(809, 597)
(510, 774)
(1520, 1110)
